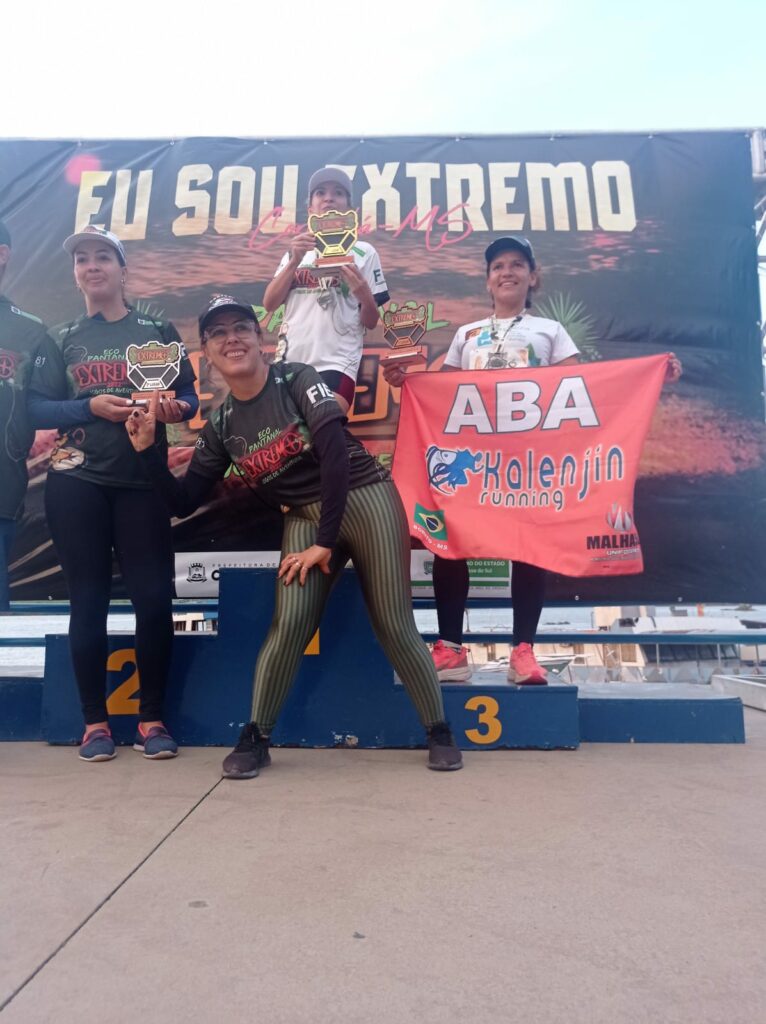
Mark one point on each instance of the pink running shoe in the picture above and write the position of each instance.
(524, 670)
(451, 665)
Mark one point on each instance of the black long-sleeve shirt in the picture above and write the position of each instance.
(288, 443)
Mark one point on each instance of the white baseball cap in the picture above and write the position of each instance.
(90, 232)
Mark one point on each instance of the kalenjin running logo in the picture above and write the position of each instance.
(448, 469)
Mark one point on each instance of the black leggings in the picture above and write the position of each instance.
(451, 593)
(87, 521)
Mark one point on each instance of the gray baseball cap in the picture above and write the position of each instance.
(329, 176)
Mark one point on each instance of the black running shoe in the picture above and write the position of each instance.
(443, 753)
(249, 756)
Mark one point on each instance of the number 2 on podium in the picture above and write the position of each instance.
(124, 700)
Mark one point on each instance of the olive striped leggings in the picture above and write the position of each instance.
(374, 535)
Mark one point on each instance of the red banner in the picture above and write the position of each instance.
(539, 468)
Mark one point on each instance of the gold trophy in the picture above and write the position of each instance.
(403, 329)
(336, 235)
(153, 367)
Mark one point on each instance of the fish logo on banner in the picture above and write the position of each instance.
(448, 469)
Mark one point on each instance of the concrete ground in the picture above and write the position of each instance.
(611, 884)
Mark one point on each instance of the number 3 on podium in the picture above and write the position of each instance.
(488, 709)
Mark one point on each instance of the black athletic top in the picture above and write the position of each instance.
(93, 356)
(289, 444)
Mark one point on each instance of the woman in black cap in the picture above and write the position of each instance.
(510, 337)
(284, 431)
(326, 317)
(97, 497)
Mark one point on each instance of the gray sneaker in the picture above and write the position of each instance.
(249, 756)
(443, 753)
(157, 744)
(97, 745)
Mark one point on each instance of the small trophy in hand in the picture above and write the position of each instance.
(153, 367)
(403, 329)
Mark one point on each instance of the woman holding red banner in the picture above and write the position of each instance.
(509, 337)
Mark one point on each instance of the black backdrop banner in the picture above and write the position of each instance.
(646, 244)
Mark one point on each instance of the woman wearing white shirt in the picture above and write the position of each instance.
(509, 337)
(326, 317)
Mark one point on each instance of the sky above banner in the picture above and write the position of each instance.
(148, 70)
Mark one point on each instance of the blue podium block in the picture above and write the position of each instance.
(659, 713)
(513, 717)
(20, 708)
(344, 695)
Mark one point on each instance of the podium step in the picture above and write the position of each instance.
(658, 713)
(21, 698)
(346, 694)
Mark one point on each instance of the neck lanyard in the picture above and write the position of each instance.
(494, 331)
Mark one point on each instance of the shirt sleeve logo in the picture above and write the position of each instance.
(319, 393)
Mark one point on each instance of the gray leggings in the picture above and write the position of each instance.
(374, 535)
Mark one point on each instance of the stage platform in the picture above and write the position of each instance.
(346, 694)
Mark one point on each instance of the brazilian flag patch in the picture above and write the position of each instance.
(432, 521)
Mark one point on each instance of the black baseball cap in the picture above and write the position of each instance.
(522, 245)
(222, 303)
(5, 235)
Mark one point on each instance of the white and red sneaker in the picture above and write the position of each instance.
(451, 663)
(523, 668)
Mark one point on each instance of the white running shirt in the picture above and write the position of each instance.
(322, 326)
(521, 341)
